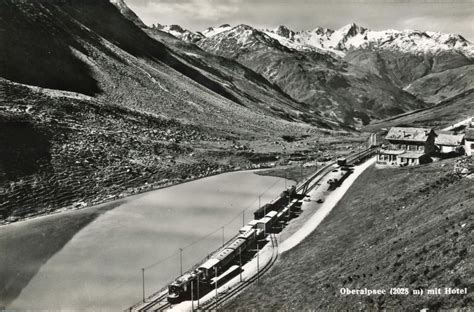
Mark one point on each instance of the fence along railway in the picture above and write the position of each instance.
(201, 285)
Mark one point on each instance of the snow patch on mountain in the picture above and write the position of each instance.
(127, 12)
(353, 36)
(211, 31)
(335, 42)
(179, 32)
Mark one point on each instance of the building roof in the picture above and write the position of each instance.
(408, 134)
(469, 134)
(448, 138)
(412, 154)
(391, 152)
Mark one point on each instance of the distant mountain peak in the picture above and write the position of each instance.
(177, 28)
(127, 12)
(285, 32)
(352, 29)
(212, 31)
(244, 26)
(179, 32)
(322, 31)
(338, 42)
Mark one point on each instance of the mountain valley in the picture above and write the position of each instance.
(105, 96)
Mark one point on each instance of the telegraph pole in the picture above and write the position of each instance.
(243, 217)
(198, 290)
(240, 262)
(215, 272)
(181, 260)
(143, 284)
(192, 298)
(301, 172)
(258, 264)
(289, 207)
(222, 236)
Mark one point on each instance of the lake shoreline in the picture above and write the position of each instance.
(127, 196)
(34, 250)
(32, 242)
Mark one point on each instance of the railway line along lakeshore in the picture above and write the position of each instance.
(41, 257)
(319, 202)
(106, 238)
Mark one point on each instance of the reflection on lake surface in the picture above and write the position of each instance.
(99, 269)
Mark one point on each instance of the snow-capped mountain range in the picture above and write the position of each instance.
(338, 42)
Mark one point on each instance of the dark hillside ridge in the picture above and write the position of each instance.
(36, 51)
(256, 91)
(43, 58)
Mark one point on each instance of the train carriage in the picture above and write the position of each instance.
(253, 224)
(250, 234)
(225, 257)
(180, 289)
(265, 224)
(207, 268)
(245, 229)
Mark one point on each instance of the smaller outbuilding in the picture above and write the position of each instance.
(412, 158)
(449, 142)
(469, 142)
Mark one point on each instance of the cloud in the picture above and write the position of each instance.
(188, 12)
(436, 15)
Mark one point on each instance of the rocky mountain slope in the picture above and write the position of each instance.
(96, 105)
(339, 89)
(396, 58)
(89, 47)
(93, 108)
(352, 36)
(252, 89)
(402, 57)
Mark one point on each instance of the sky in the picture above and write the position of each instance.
(454, 16)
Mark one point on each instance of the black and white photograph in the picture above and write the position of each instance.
(236, 155)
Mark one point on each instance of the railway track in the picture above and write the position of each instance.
(311, 183)
(351, 159)
(213, 304)
(160, 303)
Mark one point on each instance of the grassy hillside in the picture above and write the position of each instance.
(400, 227)
(452, 110)
(437, 87)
